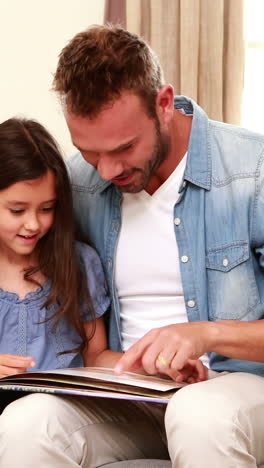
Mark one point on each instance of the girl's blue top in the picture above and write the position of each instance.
(23, 332)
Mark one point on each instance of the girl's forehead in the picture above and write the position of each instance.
(33, 189)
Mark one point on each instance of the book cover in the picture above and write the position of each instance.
(94, 382)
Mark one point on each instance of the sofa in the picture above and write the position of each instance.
(139, 464)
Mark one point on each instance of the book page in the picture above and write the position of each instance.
(127, 378)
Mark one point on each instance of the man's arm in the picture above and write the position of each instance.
(97, 354)
(178, 343)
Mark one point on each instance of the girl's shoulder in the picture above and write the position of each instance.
(90, 262)
(93, 270)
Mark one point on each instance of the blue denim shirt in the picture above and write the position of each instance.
(218, 222)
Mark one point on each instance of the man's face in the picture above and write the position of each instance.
(122, 142)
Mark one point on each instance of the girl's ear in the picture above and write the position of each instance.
(165, 104)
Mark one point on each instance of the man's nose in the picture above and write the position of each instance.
(109, 166)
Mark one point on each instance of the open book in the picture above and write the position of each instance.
(94, 382)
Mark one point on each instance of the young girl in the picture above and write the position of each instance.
(52, 289)
(52, 299)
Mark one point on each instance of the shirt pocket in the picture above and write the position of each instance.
(232, 288)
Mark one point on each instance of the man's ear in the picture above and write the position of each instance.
(165, 104)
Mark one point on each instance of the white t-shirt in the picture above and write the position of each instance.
(147, 274)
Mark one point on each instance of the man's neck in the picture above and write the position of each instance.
(179, 141)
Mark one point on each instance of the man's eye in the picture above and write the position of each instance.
(125, 148)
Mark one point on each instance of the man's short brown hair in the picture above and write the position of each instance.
(101, 62)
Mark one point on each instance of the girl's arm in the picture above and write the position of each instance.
(97, 353)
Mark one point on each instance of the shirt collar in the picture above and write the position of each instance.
(198, 167)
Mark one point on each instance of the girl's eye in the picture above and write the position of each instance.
(48, 208)
(16, 211)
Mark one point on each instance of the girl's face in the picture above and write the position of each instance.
(26, 214)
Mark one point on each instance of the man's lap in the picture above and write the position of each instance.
(228, 409)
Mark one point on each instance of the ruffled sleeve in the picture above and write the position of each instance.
(92, 268)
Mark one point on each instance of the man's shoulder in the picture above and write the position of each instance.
(83, 174)
(235, 130)
(236, 146)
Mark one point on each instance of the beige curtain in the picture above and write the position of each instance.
(115, 12)
(201, 47)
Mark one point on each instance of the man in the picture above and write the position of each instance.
(173, 203)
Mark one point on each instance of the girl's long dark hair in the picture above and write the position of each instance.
(27, 152)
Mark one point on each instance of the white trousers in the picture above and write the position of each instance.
(218, 423)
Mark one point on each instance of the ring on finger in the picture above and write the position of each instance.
(163, 361)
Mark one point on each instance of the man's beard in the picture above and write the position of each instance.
(159, 155)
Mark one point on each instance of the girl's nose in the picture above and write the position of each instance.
(31, 223)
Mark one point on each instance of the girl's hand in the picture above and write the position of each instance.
(11, 364)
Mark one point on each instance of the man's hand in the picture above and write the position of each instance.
(11, 364)
(169, 350)
(193, 371)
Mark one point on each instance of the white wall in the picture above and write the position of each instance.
(32, 34)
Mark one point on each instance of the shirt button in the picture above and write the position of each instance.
(184, 184)
(184, 259)
(177, 221)
(191, 303)
(225, 262)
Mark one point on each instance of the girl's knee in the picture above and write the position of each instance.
(29, 413)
